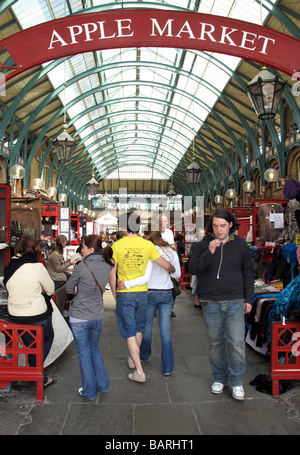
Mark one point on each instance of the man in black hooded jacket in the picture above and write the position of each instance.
(223, 264)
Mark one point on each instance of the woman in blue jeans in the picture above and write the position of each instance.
(160, 298)
(88, 283)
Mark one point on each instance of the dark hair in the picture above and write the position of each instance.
(119, 235)
(95, 241)
(224, 214)
(27, 246)
(58, 244)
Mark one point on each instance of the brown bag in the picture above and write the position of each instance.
(176, 287)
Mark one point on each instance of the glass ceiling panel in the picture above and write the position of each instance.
(181, 111)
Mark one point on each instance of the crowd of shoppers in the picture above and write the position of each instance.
(139, 271)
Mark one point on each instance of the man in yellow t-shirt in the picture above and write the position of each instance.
(131, 255)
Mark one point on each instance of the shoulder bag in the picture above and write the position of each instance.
(176, 287)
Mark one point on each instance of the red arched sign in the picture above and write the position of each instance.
(150, 28)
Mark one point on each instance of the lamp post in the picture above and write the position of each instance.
(265, 92)
(51, 192)
(17, 173)
(248, 188)
(271, 176)
(62, 197)
(230, 194)
(218, 199)
(37, 184)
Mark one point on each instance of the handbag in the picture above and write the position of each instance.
(176, 287)
(94, 278)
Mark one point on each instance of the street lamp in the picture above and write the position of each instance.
(271, 175)
(17, 173)
(265, 92)
(93, 185)
(218, 199)
(230, 194)
(193, 172)
(64, 146)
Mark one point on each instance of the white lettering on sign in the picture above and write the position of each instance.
(207, 31)
(87, 32)
(122, 28)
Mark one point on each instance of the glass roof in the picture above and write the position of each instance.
(149, 102)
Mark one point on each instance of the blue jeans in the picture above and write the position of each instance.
(131, 312)
(94, 376)
(162, 301)
(225, 323)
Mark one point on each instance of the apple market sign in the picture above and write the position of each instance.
(149, 28)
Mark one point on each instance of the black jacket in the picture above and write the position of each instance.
(225, 275)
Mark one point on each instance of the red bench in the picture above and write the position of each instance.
(13, 367)
(285, 353)
(185, 279)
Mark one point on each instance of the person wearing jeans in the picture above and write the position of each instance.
(223, 264)
(220, 318)
(93, 372)
(87, 283)
(131, 256)
(160, 299)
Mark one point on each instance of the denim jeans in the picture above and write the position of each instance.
(162, 301)
(225, 323)
(93, 373)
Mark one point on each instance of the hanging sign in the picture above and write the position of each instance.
(64, 221)
(149, 28)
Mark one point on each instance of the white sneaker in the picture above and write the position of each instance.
(238, 392)
(217, 387)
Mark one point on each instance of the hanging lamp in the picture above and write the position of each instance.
(193, 172)
(93, 185)
(265, 92)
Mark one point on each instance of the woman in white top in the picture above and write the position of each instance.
(159, 298)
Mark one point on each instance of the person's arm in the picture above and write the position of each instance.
(176, 264)
(72, 282)
(59, 264)
(165, 264)
(46, 282)
(113, 280)
(137, 281)
(200, 257)
(248, 276)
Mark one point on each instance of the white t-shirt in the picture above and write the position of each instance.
(168, 236)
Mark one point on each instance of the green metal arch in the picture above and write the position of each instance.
(84, 74)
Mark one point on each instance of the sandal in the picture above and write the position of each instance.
(50, 382)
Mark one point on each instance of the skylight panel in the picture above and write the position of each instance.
(150, 82)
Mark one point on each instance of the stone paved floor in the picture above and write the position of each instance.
(176, 406)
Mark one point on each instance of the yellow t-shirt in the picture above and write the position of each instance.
(132, 255)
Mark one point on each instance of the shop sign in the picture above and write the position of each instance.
(149, 28)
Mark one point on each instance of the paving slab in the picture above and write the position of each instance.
(174, 406)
